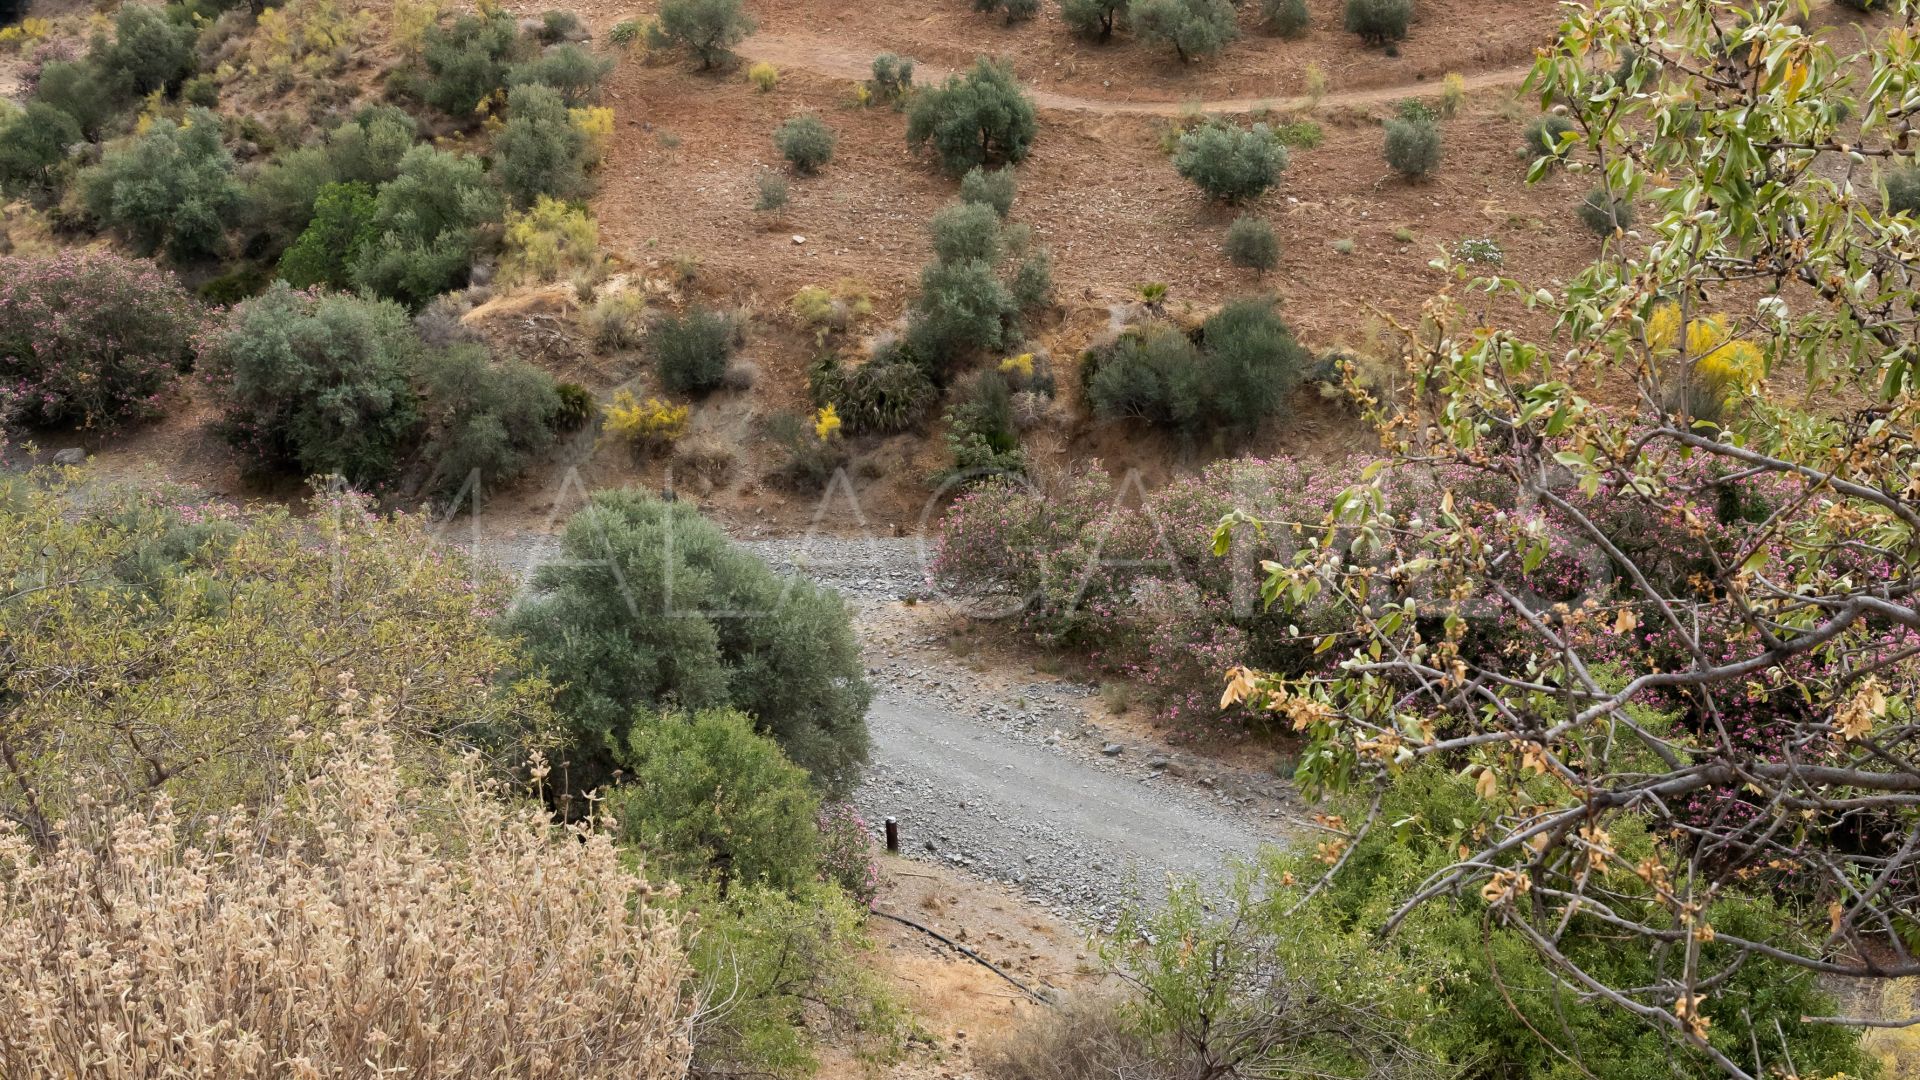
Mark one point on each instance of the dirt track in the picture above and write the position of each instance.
(836, 59)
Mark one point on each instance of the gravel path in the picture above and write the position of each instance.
(1008, 777)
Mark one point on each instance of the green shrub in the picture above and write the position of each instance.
(428, 224)
(994, 188)
(1903, 190)
(1032, 284)
(569, 69)
(540, 151)
(975, 119)
(576, 406)
(316, 383)
(1287, 18)
(1152, 374)
(652, 603)
(33, 145)
(467, 62)
(149, 51)
(812, 460)
(1488, 994)
(326, 252)
(614, 322)
(244, 281)
(788, 967)
(1413, 147)
(771, 194)
(1251, 243)
(1016, 10)
(80, 89)
(963, 308)
(965, 231)
(1195, 28)
(1415, 110)
(557, 26)
(892, 77)
(487, 420)
(1379, 21)
(1543, 137)
(201, 90)
(1096, 19)
(1239, 371)
(981, 433)
(1604, 214)
(1229, 163)
(690, 352)
(805, 142)
(709, 29)
(366, 150)
(90, 337)
(1252, 363)
(171, 189)
(890, 392)
(707, 797)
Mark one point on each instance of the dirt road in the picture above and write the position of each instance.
(835, 58)
(1005, 776)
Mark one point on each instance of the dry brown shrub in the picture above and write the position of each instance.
(356, 928)
(1082, 1040)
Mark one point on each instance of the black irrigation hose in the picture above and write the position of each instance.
(968, 953)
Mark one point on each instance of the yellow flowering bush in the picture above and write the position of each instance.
(25, 32)
(1723, 361)
(1021, 365)
(763, 76)
(549, 241)
(826, 422)
(596, 123)
(649, 423)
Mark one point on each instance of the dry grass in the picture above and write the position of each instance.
(1083, 1040)
(356, 928)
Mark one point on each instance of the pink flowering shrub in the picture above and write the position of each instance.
(846, 852)
(89, 337)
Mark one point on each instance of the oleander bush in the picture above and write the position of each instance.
(89, 337)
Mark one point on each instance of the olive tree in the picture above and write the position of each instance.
(979, 118)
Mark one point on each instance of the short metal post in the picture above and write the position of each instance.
(893, 836)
